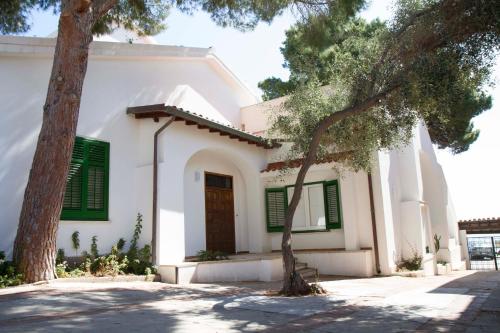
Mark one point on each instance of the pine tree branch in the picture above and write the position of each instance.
(101, 7)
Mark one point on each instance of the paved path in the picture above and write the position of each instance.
(462, 302)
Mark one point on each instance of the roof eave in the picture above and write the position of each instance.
(155, 111)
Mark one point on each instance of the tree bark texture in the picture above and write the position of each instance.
(35, 243)
(293, 283)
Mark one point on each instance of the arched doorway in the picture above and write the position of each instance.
(215, 204)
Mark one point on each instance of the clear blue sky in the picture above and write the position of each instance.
(473, 176)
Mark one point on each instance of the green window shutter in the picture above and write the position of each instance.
(86, 196)
(276, 204)
(332, 205)
(73, 195)
(97, 177)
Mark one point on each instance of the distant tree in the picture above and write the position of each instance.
(318, 48)
(376, 81)
(79, 20)
(274, 87)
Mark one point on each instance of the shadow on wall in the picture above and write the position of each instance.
(18, 133)
(18, 145)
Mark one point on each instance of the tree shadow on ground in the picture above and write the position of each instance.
(477, 311)
(224, 307)
(165, 309)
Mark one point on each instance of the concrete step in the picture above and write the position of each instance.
(300, 265)
(308, 272)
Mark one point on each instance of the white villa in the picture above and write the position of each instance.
(171, 133)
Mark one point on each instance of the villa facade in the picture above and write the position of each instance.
(171, 133)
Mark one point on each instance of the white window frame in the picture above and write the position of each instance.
(306, 206)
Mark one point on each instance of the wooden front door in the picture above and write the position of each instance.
(219, 213)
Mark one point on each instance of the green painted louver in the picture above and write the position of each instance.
(86, 196)
(277, 203)
(73, 193)
(332, 204)
(95, 188)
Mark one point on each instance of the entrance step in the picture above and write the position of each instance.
(300, 265)
(307, 273)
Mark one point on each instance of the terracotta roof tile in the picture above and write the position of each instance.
(157, 111)
(274, 166)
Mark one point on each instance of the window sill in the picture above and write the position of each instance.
(301, 231)
(85, 221)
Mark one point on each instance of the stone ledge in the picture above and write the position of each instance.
(118, 278)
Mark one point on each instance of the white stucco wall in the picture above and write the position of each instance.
(412, 203)
(256, 118)
(185, 149)
(382, 173)
(346, 263)
(118, 76)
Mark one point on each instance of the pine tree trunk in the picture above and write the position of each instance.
(35, 244)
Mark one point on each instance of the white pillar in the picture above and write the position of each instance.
(464, 247)
(410, 172)
(170, 238)
(383, 211)
(258, 239)
(349, 211)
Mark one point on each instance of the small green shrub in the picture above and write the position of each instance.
(10, 280)
(61, 270)
(60, 257)
(145, 253)
(85, 266)
(211, 255)
(139, 259)
(411, 264)
(133, 248)
(8, 273)
(75, 241)
(136, 261)
(64, 271)
(437, 242)
(93, 247)
(120, 244)
(108, 265)
(141, 262)
(76, 272)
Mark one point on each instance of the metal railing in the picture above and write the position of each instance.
(484, 252)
